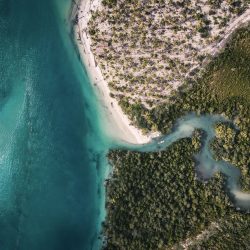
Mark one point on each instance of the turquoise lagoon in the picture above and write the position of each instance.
(52, 148)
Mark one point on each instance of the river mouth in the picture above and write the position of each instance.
(206, 165)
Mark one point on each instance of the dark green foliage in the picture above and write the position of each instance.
(155, 200)
(229, 74)
(233, 233)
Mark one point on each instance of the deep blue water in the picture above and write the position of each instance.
(50, 141)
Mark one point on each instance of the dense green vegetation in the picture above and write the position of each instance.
(233, 146)
(233, 233)
(229, 96)
(154, 200)
(231, 71)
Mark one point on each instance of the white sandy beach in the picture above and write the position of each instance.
(116, 123)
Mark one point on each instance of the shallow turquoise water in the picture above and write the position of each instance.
(51, 146)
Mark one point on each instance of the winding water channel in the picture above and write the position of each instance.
(206, 165)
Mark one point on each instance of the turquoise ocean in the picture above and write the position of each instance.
(52, 150)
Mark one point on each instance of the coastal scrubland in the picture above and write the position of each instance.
(154, 200)
(147, 49)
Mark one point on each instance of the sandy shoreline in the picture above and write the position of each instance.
(116, 123)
